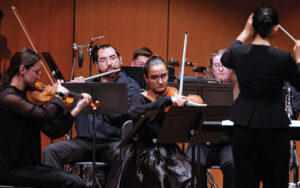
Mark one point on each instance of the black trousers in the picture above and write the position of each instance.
(76, 150)
(38, 176)
(214, 154)
(261, 155)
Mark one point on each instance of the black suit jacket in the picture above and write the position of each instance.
(261, 72)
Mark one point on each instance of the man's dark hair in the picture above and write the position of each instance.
(143, 51)
(98, 47)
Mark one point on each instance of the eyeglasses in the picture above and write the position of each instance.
(111, 59)
(218, 66)
(36, 71)
(163, 76)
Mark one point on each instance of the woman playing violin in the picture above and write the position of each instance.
(22, 121)
(148, 164)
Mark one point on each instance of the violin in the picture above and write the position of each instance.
(41, 94)
(172, 91)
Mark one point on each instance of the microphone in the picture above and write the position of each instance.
(75, 46)
(80, 58)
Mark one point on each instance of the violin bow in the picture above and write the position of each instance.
(183, 63)
(28, 36)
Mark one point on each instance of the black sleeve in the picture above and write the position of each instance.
(226, 58)
(139, 106)
(22, 107)
(49, 118)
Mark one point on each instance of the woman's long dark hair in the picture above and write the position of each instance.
(25, 57)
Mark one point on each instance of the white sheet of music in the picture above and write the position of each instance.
(294, 123)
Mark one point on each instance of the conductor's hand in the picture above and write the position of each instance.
(297, 51)
(79, 79)
(247, 31)
(82, 103)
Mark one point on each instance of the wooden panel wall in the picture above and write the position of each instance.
(211, 24)
(126, 24)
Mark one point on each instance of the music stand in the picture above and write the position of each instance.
(179, 125)
(136, 73)
(52, 65)
(112, 96)
(210, 113)
(113, 99)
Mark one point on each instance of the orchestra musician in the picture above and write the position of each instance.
(22, 121)
(106, 58)
(148, 164)
(217, 153)
(140, 56)
(261, 145)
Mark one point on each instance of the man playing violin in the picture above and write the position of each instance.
(148, 164)
(22, 121)
(106, 58)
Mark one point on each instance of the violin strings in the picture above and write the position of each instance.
(287, 33)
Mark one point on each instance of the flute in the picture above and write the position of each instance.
(102, 74)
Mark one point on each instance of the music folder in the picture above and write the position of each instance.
(52, 65)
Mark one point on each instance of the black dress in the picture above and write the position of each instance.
(147, 164)
(20, 147)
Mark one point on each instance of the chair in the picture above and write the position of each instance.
(84, 169)
(211, 183)
(125, 129)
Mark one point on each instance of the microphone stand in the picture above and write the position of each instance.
(90, 54)
(90, 45)
(90, 49)
(74, 59)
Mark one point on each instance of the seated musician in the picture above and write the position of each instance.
(220, 153)
(147, 164)
(106, 58)
(140, 56)
(22, 121)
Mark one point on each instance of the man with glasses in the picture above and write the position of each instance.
(106, 58)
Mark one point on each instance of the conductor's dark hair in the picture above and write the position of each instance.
(98, 47)
(143, 51)
(264, 19)
(154, 60)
